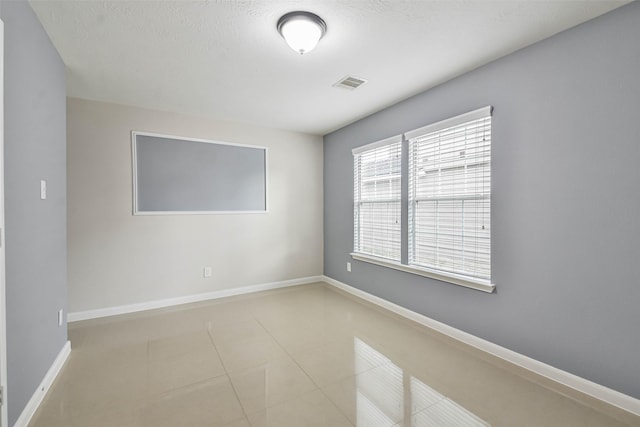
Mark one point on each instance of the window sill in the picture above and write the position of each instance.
(467, 282)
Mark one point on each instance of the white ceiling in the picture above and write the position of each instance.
(224, 59)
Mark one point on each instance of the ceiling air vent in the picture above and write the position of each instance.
(350, 82)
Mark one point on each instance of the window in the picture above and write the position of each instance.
(450, 197)
(377, 199)
(447, 201)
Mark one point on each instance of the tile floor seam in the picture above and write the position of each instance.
(346, 416)
(233, 387)
(318, 387)
(290, 356)
(309, 377)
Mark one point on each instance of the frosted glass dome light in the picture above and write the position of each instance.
(301, 30)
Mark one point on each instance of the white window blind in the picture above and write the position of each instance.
(377, 199)
(450, 195)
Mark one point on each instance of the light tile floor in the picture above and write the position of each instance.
(302, 356)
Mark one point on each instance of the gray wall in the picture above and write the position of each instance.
(566, 177)
(35, 141)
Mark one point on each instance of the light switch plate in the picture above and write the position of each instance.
(43, 189)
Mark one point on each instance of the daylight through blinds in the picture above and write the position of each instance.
(377, 200)
(450, 199)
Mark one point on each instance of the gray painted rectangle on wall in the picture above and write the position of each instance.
(181, 175)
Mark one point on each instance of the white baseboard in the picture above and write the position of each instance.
(43, 388)
(169, 302)
(597, 391)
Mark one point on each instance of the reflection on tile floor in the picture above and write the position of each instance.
(302, 356)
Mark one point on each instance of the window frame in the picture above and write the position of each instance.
(458, 156)
(478, 283)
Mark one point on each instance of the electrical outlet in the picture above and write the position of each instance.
(349, 267)
(60, 317)
(207, 272)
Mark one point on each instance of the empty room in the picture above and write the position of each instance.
(274, 213)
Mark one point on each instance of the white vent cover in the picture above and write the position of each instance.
(350, 82)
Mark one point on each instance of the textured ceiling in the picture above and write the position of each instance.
(225, 59)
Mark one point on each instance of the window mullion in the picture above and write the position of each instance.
(404, 207)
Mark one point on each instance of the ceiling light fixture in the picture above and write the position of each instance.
(301, 30)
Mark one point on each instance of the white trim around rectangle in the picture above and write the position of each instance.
(159, 213)
(134, 163)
